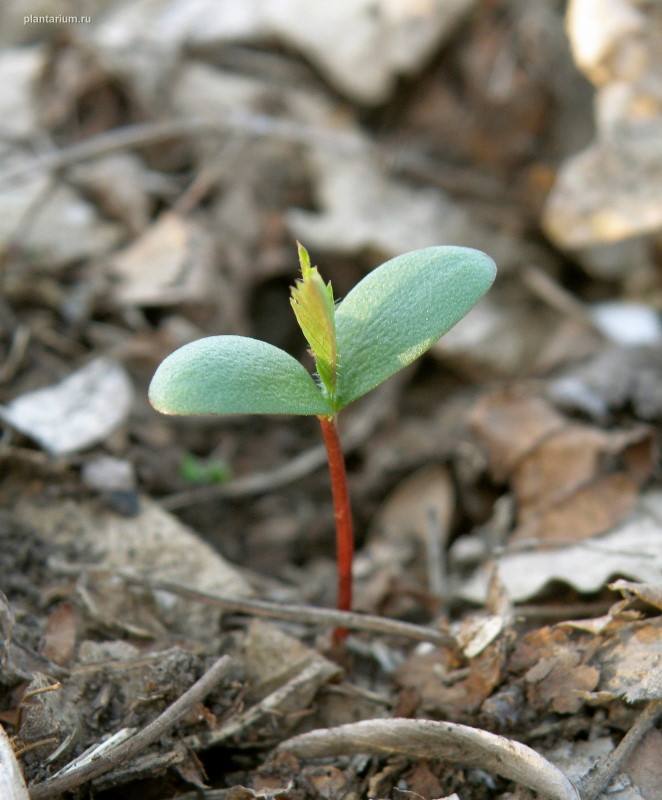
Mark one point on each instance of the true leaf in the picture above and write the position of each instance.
(234, 375)
(313, 306)
(400, 309)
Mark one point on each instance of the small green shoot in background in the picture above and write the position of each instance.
(197, 470)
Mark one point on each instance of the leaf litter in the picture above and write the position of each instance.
(508, 500)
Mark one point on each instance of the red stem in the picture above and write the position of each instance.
(343, 515)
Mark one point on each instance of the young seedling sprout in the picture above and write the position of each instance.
(390, 318)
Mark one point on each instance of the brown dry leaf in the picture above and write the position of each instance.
(632, 549)
(570, 481)
(422, 738)
(643, 766)
(59, 639)
(421, 781)
(447, 688)
(406, 511)
(327, 782)
(590, 510)
(409, 533)
(555, 668)
(562, 492)
(631, 662)
(561, 682)
(170, 263)
(510, 423)
(565, 460)
(650, 593)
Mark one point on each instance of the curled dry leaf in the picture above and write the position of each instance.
(422, 738)
(12, 785)
(631, 549)
(650, 593)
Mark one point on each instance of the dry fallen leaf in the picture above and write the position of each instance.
(643, 766)
(59, 639)
(153, 543)
(12, 785)
(170, 263)
(407, 509)
(510, 423)
(632, 548)
(556, 674)
(610, 191)
(570, 481)
(76, 413)
(631, 662)
(273, 658)
(447, 688)
(650, 593)
(409, 533)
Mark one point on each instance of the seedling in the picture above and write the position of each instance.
(390, 318)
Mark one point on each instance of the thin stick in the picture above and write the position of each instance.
(147, 133)
(597, 780)
(268, 610)
(131, 747)
(295, 613)
(343, 516)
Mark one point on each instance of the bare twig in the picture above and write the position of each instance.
(553, 294)
(263, 608)
(140, 741)
(238, 726)
(296, 613)
(396, 159)
(17, 350)
(600, 776)
(131, 136)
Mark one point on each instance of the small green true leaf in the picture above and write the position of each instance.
(204, 470)
(400, 309)
(234, 375)
(313, 305)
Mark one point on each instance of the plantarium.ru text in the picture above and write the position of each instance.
(390, 318)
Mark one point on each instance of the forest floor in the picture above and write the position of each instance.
(168, 583)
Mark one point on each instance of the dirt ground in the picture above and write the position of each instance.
(168, 583)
